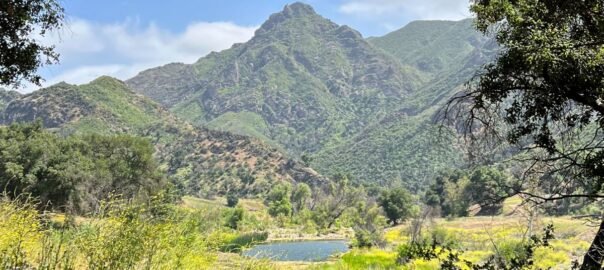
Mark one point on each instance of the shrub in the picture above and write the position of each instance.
(445, 238)
(122, 236)
(232, 200)
(244, 240)
(418, 250)
(233, 218)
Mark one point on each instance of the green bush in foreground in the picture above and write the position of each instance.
(513, 255)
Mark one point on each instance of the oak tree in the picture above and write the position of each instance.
(22, 22)
(544, 94)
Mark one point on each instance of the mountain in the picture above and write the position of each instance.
(301, 86)
(309, 86)
(201, 161)
(408, 145)
(301, 83)
(433, 47)
(7, 96)
(104, 105)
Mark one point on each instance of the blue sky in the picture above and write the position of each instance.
(123, 37)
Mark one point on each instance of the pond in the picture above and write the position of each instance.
(298, 251)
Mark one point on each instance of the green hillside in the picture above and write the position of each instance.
(300, 82)
(432, 46)
(408, 145)
(7, 96)
(309, 86)
(200, 161)
(104, 105)
(302, 85)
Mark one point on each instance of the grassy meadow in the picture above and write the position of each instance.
(193, 235)
(479, 237)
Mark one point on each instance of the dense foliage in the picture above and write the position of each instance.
(278, 200)
(446, 194)
(454, 192)
(122, 235)
(75, 173)
(544, 95)
(21, 52)
(398, 205)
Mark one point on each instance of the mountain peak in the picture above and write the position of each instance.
(295, 11)
(298, 9)
(106, 79)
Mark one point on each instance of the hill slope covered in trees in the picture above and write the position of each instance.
(315, 88)
(303, 85)
(200, 161)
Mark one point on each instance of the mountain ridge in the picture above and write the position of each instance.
(202, 162)
(305, 77)
(311, 87)
(307, 86)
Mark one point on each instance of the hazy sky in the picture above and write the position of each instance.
(122, 37)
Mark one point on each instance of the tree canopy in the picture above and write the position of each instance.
(75, 173)
(21, 52)
(278, 200)
(398, 205)
(547, 88)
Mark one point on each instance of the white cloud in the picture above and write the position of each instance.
(121, 50)
(78, 37)
(419, 9)
(86, 74)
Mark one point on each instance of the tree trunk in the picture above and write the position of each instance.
(595, 255)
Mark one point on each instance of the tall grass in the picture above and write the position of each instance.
(242, 241)
(20, 234)
(121, 235)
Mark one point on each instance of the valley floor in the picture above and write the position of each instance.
(478, 237)
(194, 237)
